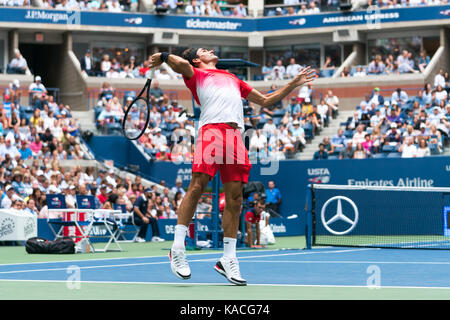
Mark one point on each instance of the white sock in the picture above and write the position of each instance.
(180, 236)
(229, 247)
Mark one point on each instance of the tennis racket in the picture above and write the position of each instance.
(137, 115)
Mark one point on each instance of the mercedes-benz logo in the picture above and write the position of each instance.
(339, 215)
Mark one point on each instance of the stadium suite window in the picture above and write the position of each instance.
(394, 46)
(121, 51)
(304, 54)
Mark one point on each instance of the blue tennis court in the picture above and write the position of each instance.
(322, 267)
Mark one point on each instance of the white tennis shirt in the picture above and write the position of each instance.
(220, 94)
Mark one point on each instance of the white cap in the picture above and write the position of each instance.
(39, 173)
(158, 130)
(16, 83)
(295, 122)
(38, 78)
(386, 103)
(54, 189)
(307, 100)
(393, 125)
(423, 125)
(8, 187)
(111, 171)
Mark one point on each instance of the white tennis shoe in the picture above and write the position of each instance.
(179, 264)
(229, 268)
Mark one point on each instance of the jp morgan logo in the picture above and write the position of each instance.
(318, 175)
(339, 215)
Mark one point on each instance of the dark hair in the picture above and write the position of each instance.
(190, 54)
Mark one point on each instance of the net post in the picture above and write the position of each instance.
(308, 216)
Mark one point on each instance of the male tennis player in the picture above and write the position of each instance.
(219, 147)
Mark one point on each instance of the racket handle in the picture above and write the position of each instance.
(151, 74)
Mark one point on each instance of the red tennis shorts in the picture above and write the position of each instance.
(220, 147)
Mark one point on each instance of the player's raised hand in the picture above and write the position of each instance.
(306, 75)
(155, 60)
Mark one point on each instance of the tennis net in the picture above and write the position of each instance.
(380, 217)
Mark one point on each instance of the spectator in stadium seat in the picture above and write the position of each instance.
(440, 94)
(156, 90)
(327, 144)
(348, 152)
(178, 187)
(87, 64)
(273, 197)
(377, 98)
(400, 97)
(292, 69)
(299, 134)
(18, 64)
(359, 135)
(105, 65)
(267, 71)
(368, 144)
(37, 87)
(258, 142)
(376, 66)
(25, 151)
(143, 218)
(6, 198)
(278, 71)
(333, 103)
(423, 150)
(424, 60)
(294, 107)
(359, 153)
(321, 154)
(439, 79)
(338, 140)
(329, 64)
(359, 72)
(193, 8)
(393, 136)
(408, 149)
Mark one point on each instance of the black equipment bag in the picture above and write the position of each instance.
(60, 246)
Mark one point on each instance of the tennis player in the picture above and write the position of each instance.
(219, 147)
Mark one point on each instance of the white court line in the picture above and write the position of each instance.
(351, 262)
(227, 284)
(130, 258)
(167, 262)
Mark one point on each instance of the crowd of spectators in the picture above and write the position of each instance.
(395, 126)
(403, 63)
(39, 129)
(111, 68)
(281, 70)
(305, 7)
(188, 7)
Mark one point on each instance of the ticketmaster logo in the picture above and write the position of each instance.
(208, 24)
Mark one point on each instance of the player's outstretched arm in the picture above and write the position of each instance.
(177, 64)
(306, 75)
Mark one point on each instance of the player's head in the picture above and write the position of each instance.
(199, 56)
